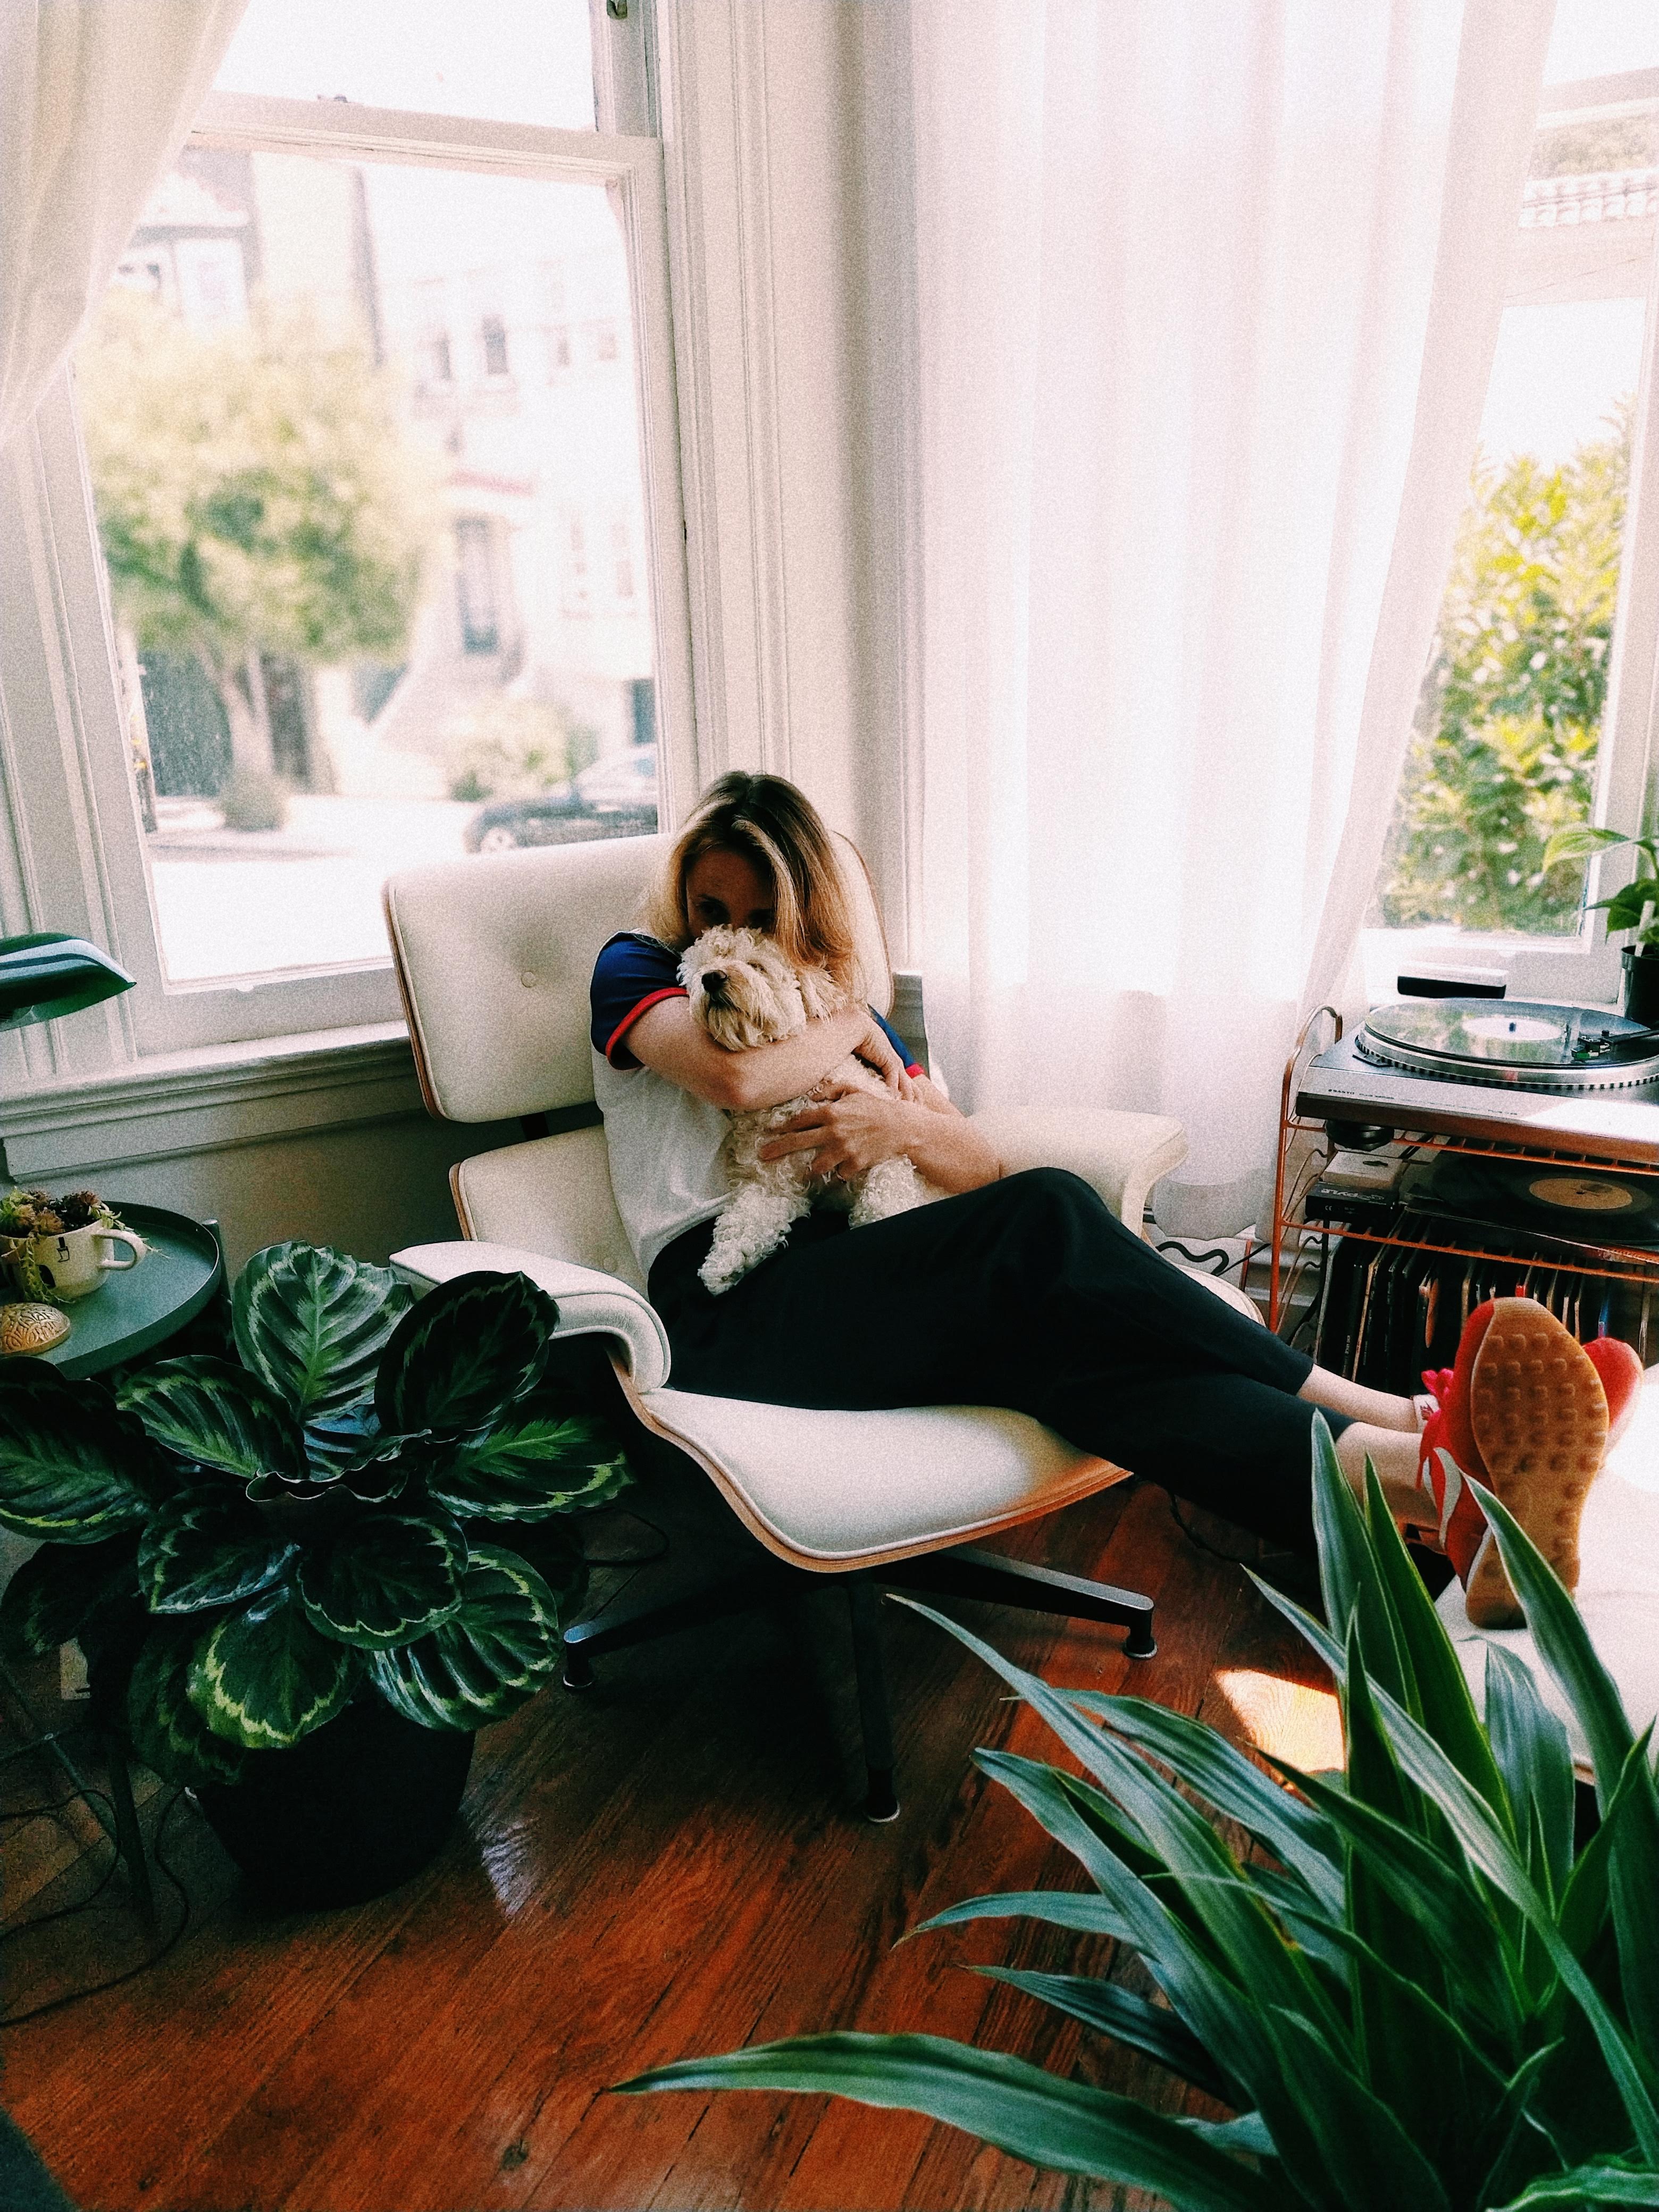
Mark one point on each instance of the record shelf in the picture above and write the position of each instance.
(1387, 1289)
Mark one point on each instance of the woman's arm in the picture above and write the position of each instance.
(853, 1129)
(665, 1038)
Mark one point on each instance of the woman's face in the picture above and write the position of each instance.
(725, 887)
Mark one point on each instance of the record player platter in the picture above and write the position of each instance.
(1519, 1044)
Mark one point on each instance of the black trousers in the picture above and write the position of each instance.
(1029, 1293)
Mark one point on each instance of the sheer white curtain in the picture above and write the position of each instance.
(95, 99)
(1207, 295)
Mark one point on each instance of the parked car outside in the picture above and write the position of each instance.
(615, 797)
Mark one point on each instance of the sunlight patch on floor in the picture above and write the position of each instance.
(1288, 1719)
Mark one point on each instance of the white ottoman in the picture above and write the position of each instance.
(1618, 1584)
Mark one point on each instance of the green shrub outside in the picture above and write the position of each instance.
(1503, 752)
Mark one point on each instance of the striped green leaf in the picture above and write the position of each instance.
(263, 1677)
(385, 1580)
(1019, 2108)
(1120, 2014)
(1439, 1689)
(59, 1588)
(1602, 2185)
(492, 1654)
(1370, 2162)
(1348, 1576)
(1078, 1910)
(531, 1465)
(204, 1548)
(461, 1356)
(1563, 1644)
(311, 1323)
(210, 1412)
(1529, 1745)
(167, 1732)
(1226, 1779)
(71, 1471)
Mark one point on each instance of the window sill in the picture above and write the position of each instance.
(210, 1100)
(218, 1097)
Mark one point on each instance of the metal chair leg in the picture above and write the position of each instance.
(655, 1604)
(969, 1572)
(875, 1717)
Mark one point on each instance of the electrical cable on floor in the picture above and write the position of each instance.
(1203, 1543)
(64, 1911)
(1202, 1259)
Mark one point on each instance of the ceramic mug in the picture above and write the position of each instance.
(73, 1264)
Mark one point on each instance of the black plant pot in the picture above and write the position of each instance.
(1642, 984)
(347, 1815)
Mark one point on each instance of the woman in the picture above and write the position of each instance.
(1021, 1291)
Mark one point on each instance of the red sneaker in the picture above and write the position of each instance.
(1526, 1413)
(1620, 1371)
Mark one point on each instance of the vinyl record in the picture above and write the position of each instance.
(1592, 1206)
(1597, 1202)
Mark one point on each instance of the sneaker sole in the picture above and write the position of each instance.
(1540, 1418)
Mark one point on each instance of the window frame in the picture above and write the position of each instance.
(77, 861)
(1583, 968)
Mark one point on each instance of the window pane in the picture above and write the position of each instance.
(373, 551)
(515, 61)
(1504, 746)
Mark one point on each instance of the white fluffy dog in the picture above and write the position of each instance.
(745, 992)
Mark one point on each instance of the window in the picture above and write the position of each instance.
(356, 642)
(1534, 712)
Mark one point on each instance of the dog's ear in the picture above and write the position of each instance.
(819, 993)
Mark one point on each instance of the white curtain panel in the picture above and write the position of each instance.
(95, 99)
(1207, 295)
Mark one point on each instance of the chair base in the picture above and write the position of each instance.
(683, 1595)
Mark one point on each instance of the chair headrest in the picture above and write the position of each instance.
(495, 955)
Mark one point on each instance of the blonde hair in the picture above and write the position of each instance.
(779, 831)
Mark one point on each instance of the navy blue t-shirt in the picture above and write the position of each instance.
(632, 973)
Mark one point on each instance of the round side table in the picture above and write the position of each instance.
(140, 1307)
(136, 1310)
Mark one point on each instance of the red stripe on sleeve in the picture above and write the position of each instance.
(651, 998)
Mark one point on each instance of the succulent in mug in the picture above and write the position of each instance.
(266, 1539)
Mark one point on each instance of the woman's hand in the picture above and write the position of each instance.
(845, 1132)
(877, 1053)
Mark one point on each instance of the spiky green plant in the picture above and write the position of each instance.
(331, 1514)
(1423, 1998)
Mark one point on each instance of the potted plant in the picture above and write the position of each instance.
(1419, 1988)
(54, 1247)
(1635, 909)
(299, 1576)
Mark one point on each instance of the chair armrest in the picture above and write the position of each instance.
(590, 1303)
(1122, 1155)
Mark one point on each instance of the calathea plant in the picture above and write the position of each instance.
(1417, 1992)
(264, 1540)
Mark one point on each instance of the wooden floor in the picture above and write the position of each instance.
(669, 1865)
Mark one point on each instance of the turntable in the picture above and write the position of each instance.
(1518, 1072)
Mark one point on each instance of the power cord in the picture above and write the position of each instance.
(64, 1911)
(1228, 1260)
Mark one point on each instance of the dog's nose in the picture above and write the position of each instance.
(714, 984)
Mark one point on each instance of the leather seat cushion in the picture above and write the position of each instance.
(838, 1488)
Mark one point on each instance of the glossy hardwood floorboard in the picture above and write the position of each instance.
(666, 1866)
